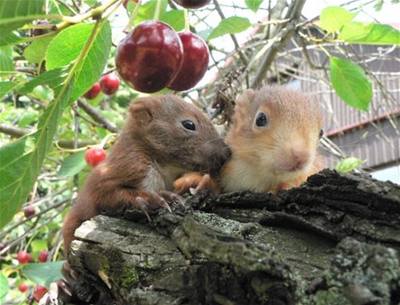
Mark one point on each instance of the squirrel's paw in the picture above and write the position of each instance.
(146, 201)
(195, 182)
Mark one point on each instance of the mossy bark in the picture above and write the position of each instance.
(332, 241)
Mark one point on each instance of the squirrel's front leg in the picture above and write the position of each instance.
(195, 182)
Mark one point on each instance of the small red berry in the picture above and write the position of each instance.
(109, 83)
(95, 155)
(43, 255)
(23, 287)
(93, 92)
(39, 292)
(24, 257)
(29, 211)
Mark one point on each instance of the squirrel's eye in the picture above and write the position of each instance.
(321, 133)
(261, 119)
(188, 124)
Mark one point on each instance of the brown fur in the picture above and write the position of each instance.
(152, 150)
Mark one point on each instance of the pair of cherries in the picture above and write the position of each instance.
(153, 56)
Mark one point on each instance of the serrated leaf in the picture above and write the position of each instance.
(67, 45)
(6, 61)
(6, 87)
(72, 165)
(348, 164)
(350, 83)
(146, 10)
(36, 51)
(333, 18)
(230, 25)
(3, 287)
(52, 78)
(16, 13)
(21, 175)
(370, 33)
(175, 18)
(254, 5)
(43, 273)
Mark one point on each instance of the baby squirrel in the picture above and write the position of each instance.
(163, 138)
(273, 138)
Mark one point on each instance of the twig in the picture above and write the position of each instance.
(284, 34)
(96, 116)
(20, 132)
(235, 42)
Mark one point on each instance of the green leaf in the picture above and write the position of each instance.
(175, 18)
(93, 65)
(52, 78)
(16, 13)
(230, 25)
(28, 117)
(253, 4)
(67, 45)
(348, 164)
(38, 245)
(72, 165)
(370, 33)
(333, 18)
(36, 51)
(3, 287)
(146, 11)
(350, 83)
(5, 87)
(6, 61)
(43, 273)
(19, 175)
(10, 38)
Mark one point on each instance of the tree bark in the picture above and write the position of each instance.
(335, 240)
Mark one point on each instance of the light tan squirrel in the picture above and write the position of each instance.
(163, 138)
(273, 138)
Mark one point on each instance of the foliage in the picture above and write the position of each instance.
(52, 52)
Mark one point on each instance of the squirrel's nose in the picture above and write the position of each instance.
(298, 158)
(220, 155)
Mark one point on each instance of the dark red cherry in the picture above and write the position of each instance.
(195, 62)
(93, 92)
(109, 83)
(192, 3)
(150, 56)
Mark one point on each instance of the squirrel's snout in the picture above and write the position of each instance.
(294, 160)
(218, 153)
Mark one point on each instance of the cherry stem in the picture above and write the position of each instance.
(157, 11)
(135, 11)
(187, 22)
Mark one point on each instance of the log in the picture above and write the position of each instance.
(334, 240)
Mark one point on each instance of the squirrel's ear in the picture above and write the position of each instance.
(140, 111)
(246, 97)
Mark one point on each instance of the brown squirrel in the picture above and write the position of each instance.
(273, 138)
(163, 138)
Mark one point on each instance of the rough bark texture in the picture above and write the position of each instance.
(332, 241)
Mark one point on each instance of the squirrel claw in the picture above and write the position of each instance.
(172, 197)
(142, 204)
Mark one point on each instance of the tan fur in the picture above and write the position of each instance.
(152, 150)
(264, 159)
